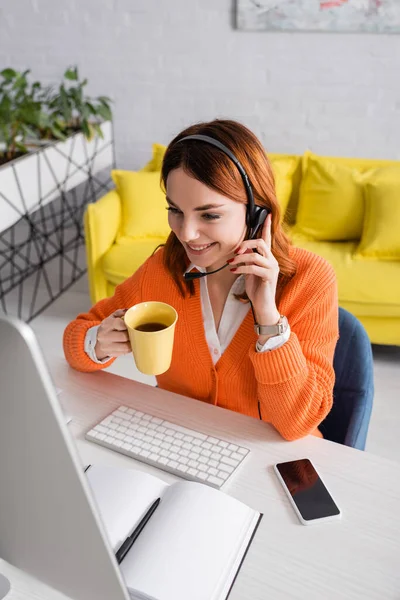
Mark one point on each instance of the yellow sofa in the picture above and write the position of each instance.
(346, 210)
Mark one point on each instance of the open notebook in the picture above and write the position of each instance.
(193, 544)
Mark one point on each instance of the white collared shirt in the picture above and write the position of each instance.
(232, 317)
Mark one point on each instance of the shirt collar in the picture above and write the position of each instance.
(193, 266)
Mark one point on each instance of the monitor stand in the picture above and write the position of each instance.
(4, 586)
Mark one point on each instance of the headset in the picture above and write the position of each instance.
(255, 215)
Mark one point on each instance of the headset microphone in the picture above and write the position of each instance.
(255, 215)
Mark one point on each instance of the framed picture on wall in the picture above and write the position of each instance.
(376, 16)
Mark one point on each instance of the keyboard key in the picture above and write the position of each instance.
(183, 430)
(212, 440)
(243, 451)
(228, 461)
(215, 480)
(226, 468)
(236, 456)
(169, 446)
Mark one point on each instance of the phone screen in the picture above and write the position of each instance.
(307, 490)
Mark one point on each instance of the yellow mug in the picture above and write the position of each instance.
(151, 327)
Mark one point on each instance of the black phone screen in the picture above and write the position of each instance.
(307, 490)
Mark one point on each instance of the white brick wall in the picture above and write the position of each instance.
(168, 63)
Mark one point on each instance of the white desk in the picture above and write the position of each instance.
(355, 558)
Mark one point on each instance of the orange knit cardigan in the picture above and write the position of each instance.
(291, 386)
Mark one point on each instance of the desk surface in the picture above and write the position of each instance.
(356, 557)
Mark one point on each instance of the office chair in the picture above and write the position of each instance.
(348, 421)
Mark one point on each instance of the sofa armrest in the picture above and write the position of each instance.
(101, 224)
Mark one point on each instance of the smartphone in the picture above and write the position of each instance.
(306, 491)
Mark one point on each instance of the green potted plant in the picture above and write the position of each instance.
(21, 112)
(70, 111)
(51, 140)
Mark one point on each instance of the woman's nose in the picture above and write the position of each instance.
(188, 231)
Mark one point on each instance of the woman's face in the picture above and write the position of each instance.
(208, 225)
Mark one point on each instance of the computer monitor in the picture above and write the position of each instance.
(49, 524)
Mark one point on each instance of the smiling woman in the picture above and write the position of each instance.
(227, 253)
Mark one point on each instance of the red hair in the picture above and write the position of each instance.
(212, 167)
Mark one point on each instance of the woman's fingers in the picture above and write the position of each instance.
(118, 324)
(253, 269)
(266, 231)
(252, 258)
(259, 244)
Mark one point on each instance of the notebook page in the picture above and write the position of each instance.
(228, 577)
(195, 535)
(122, 496)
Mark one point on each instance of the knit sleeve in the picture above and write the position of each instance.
(295, 381)
(126, 295)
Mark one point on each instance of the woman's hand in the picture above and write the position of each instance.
(112, 337)
(261, 270)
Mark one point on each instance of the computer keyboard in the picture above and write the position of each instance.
(173, 448)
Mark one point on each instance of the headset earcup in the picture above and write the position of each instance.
(260, 214)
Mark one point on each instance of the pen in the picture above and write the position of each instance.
(128, 543)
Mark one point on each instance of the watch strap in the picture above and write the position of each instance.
(278, 329)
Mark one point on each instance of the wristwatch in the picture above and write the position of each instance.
(278, 329)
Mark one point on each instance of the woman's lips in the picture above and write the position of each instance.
(202, 249)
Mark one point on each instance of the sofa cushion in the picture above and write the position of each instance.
(155, 163)
(122, 260)
(142, 204)
(375, 285)
(331, 202)
(283, 167)
(381, 233)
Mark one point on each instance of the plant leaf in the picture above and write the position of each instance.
(8, 74)
(71, 73)
(97, 128)
(86, 130)
(105, 112)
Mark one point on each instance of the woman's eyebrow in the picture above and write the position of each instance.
(199, 208)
